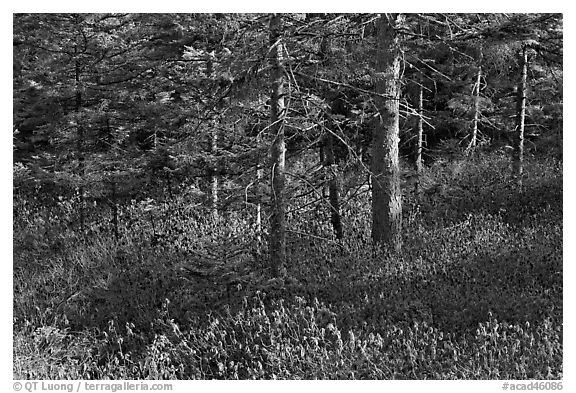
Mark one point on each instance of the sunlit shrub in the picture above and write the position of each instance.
(475, 293)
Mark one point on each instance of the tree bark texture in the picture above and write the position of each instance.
(258, 202)
(214, 177)
(79, 132)
(278, 151)
(518, 158)
(386, 194)
(327, 151)
(420, 138)
(213, 150)
(325, 52)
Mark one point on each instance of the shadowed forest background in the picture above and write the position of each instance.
(287, 196)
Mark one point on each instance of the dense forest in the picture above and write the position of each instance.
(287, 196)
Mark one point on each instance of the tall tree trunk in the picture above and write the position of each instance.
(327, 149)
(325, 52)
(420, 137)
(80, 134)
(278, 151)
(386, 194)
(258, 201)
(518, 158)
(474, 136)
(214, 177)
(333, 188)
(213, 149)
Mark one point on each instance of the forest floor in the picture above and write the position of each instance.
(476, 292)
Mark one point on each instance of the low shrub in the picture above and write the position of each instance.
(475, 294)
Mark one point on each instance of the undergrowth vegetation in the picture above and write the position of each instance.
(475, 294)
